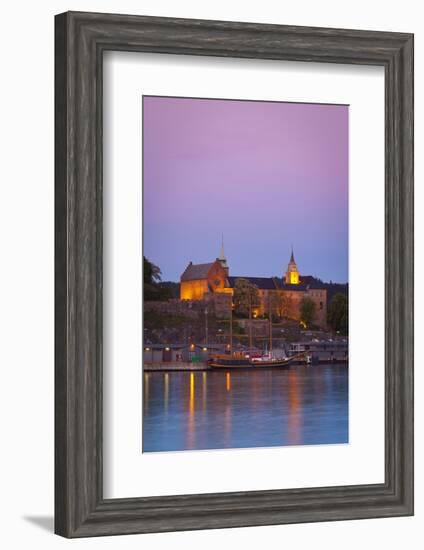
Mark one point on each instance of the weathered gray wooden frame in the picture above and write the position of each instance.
(81, 39)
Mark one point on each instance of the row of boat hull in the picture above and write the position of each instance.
(242, 362)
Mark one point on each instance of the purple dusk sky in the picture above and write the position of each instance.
(264, 174)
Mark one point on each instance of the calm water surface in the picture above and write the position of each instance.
(218, 410)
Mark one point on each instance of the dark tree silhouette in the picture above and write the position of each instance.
(246, 297)
(307, 311)
(338, 313)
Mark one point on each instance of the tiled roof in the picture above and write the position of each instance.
(200, 271)
(263, 283)
(196, 271)
(312, 282)
(295, 288)
(306, 282)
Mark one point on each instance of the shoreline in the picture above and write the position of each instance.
(191, 367)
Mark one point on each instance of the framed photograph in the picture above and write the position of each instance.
(234, 274)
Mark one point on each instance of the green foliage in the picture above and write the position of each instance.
(151, 272)
(154, 289)
(237, 329)
(246, 297)
(307, 311)
(274, 306)
(338, 313)
(159, 320)
(151, 293)
(170, 289)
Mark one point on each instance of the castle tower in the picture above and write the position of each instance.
(292, 274)
(222, 259)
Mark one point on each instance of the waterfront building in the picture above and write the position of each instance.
(200, 279)
(281, 296)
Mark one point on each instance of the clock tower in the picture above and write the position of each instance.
(292, 274)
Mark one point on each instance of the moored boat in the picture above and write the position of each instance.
(251, 359)
(241, 360)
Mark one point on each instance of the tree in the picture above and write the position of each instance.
(338, 313)
(287, 307)
(246, 297)
(151, 272)
(307, 311)
(273, 305)
(152, 276)
(170, 289)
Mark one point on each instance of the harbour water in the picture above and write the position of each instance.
(241, 409)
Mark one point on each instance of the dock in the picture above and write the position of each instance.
(166, 366)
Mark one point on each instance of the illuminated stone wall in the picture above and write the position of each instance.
(291, 303)
(221, 303)
(319, 297)
(281, 302)
(217, 277)
(288, 304)
(215, 281)
(193, 290)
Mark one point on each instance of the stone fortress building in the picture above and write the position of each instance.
(283, 296)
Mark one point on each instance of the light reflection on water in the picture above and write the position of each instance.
(230, 409)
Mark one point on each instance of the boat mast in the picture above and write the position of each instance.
(250, 321)
(270, 323)
(231, 329)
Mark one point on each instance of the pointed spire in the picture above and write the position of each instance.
(222, 253)
(292, 273)
(222, 259)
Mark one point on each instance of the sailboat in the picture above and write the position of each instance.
(241, 360)
(247, 359)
